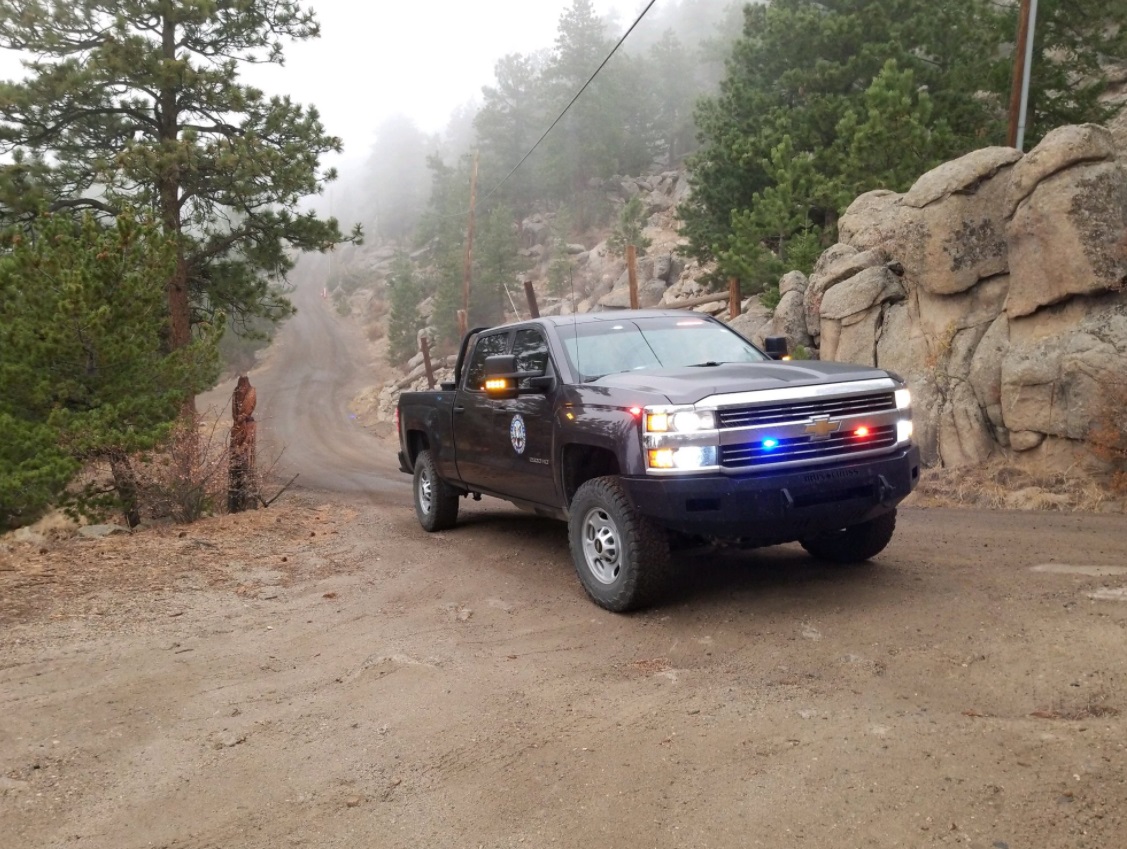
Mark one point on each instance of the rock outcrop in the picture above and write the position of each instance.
(997, 285)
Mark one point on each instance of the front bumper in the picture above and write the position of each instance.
(771, 508)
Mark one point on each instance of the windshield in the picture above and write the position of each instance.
(599, 348)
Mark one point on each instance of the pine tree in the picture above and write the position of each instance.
(628, 229)
(874, 93)
(443, 230)
(512, 117)
(403, 321)
(138, 105)
(607, 131)
(497, 265)
(85, 373)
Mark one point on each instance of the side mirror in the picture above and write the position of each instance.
(502, 377)
(776, 347)
(542, 383)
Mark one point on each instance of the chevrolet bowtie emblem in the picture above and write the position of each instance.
(821, 427)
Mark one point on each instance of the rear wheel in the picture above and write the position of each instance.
(855, 543)
(436, 502)
(620, 556)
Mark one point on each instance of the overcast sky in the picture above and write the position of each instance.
(422, 59)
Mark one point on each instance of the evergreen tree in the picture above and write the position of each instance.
(136, 104)
(1075, 44)
(628, 230)
(395, 179)
(674, 71)
(443, 230)
(875, 92)
(85, 373)
(511, 119)
(404, 321)
(609, 129)
(497, 266)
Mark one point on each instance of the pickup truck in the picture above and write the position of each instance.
(647, 429)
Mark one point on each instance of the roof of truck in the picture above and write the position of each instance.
(609, 315)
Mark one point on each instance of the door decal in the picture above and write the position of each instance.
(517, 434)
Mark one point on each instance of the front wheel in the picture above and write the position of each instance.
(436, 502)
(855, 543)
(621, 557)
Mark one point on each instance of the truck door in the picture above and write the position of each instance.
(524, 428)
(476, 446)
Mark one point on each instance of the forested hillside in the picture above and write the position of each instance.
(780, 112)
(133, 138)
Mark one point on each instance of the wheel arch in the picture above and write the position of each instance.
(415, 441)
(580, 463)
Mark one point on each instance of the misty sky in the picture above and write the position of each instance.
(422, 59)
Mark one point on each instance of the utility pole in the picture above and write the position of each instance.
(467, 267)
(1023, 62)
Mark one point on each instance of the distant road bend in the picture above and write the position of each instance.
(315, 366)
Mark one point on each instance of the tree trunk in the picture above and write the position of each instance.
(177, 286)
(242, 492)
(125, 483)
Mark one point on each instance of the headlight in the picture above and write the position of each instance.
(904, 430)
(903, 399)
(679, 421)
(691, 457)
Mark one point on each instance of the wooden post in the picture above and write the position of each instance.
(530, 294)
(733, 297)
(467, 266)
(424, 344)
(463, 324)
(242, 494)
(632, 274)
(1019, 73)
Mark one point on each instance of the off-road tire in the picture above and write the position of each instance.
(436, 502)
(621, 557)
(855, 543)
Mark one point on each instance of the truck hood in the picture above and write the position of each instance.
(689, 385)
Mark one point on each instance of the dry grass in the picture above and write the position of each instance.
(1001, 485)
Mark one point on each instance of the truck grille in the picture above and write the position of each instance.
(804, 448)
(792, 411)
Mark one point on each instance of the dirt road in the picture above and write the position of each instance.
(325, 674)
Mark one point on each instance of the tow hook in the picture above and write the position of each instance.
(886, 492)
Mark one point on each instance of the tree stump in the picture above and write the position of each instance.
(242, 490)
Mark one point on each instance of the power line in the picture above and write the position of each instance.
(577, 95)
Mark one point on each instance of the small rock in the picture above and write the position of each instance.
(227, 740)
(352, 801)
(809, 632)
(28, 535)
(11, 785)
(98, 531)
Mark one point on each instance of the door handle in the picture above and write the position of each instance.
(459, 409)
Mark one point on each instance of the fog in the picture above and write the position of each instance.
(383, 58)
(419, 66)
(419, 60)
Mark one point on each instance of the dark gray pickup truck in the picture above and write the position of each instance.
(644, 429)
